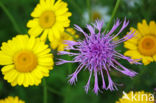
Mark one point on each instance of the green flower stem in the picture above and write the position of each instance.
(45, 97)
(54, 91)
(89, 10)
(76, 7)
(10, 17)
(113, 14)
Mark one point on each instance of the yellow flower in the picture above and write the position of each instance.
(59, 44)
(143, 45)
(11, 100)
(137, 97)
(49, 18)
(26, 60)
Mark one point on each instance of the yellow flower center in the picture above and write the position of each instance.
(96, 15)
(25, 61)
(47, 19)
(147, 45)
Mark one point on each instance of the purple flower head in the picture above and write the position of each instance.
(97, 54)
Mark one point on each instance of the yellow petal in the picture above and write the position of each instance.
(61, 11)
(26, 81)
(45, 61)
(40, 47)
(147, 60)
(31, 79)
(51, 35)
(14, 83)
(5, 59)
(154, 57)
(143, 28)
(50, 4)
(20, 78)
(44, 35)
(43, 52)
(133, 54)
(31, 43)
(9, 48)
(129, 45)
(152, 28)
(12, 76)
(37, 73)
(56, 32)
(21, 41)
(61, 47)
(37, 11)
(35, 31)
(44, 71)
(54, 45)
(58, 4)
(33, 23)
(42, 3)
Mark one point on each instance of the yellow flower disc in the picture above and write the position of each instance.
(147, 45)
(47, 19)
(25, 61)
(96, 15)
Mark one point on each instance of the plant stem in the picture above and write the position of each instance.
(76, 7)
(113, 14)
(45, 97)
(89, 10)
(10, 17)
(54, 91)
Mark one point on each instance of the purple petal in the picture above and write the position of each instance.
(130, 35)
(115, 26)
(61, 61)
(88, 83)
(125, 38)
(67, 53)
(70, 43)
(99, 25)
(103, 80)
(96, 86)
(132, 61)
(125, 24)
(111, 85)
(91, 29)
(73, 76)
(81, 30)
(125, 70)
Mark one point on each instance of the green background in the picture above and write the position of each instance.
(59, 89)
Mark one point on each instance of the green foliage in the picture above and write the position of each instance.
(59, 89)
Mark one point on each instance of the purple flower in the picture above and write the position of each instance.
(97, 54)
